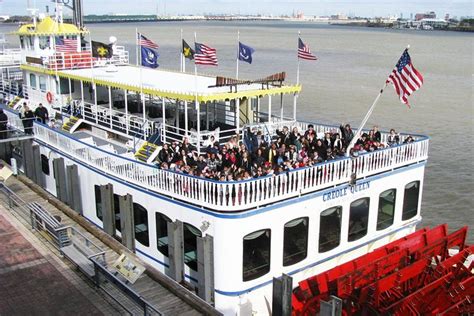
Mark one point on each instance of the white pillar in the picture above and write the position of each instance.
(207, 116)
(82, 91)
(142, 95)
(237, 116)
(258, 109)
(94, 86)
(269, 108)
(110, 107)
(70, 88)
(198, 108)
(295, 97)
(82, 100)
(186, 125)
(164, 119)
(281, 107)
(127, 121)
(177, 114)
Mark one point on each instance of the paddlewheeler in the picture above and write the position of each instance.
(291, 241)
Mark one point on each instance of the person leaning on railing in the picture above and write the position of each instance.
(41, 114)
(27, 116)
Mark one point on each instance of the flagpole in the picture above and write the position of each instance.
(298, 64)
(238, 51)
(364, 121)
(136, 44)
(366, 118)
(196, 103)
(181, 55)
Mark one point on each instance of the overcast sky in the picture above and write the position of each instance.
(276, 7)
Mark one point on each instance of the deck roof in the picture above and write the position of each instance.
(165, 83)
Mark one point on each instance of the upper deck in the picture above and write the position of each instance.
(224, 196)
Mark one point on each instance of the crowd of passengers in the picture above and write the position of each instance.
(255, 156)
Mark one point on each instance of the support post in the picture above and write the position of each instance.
(28, 163)
(108, 208)
(205, 258)
(74, 187)
(186, 125)
(269, 109)
(237, 116)
(94, 86)
(331, 308)
(198, 108)
(126, 111)
(37, 165)
(127, 222)
(176, 251)
(82, 94)
(164, 118)
(60, 175)
(110, 108)
(281, 107)
(282, 291)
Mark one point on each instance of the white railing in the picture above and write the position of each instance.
(241, 195)
(10, 58)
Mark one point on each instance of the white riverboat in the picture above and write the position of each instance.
(225, 239)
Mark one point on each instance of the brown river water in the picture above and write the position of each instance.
(353, 65)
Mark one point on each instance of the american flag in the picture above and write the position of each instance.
(405, 78)
(205, 55)
(145, 42)
(304, 52)
(66, 45)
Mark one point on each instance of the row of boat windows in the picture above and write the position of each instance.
(140, 216)
(257, 245)
(39, 82)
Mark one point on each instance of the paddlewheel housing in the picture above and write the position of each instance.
(428, 272)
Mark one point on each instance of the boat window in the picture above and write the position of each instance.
(330, 228)
(386, 210)
(410, 200)
(140, 216)
(31, 41)
(45, 164)
(64, 86)
(98, 202)
(190, 245)
(42, 83)
(256, 256)
(118, 226)
(358, 219)
(162, 232)
(295, 241)
(44, 42)
(33, 81)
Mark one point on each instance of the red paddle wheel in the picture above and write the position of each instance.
(414, 275)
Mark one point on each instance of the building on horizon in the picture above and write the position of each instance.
(427, 15)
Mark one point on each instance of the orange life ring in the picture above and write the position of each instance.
(49, 97)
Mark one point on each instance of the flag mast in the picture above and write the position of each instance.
(142, 96)
(298, 64)
(366, 118)
(181, 55)
(238, 52)
(136, 45)
(196, 104)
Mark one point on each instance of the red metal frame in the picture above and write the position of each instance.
(413, 275)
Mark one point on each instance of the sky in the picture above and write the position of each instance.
(366, 8)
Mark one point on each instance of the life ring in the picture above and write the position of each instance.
(49, 97)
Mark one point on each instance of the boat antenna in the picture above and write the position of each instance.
(32, 10)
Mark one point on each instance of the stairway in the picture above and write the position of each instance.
(14, 102)
(146, 152)
(71, 124)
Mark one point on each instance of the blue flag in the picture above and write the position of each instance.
(149, 57)
(245, 53)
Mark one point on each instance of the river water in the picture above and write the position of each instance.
(352, 67)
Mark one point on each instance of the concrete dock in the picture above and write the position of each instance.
(28, 264)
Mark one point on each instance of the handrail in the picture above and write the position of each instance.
(236, 195)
